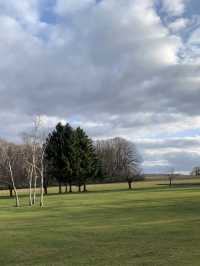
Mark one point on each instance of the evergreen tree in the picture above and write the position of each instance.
(58, 150)
(85, 158)
(71, 157)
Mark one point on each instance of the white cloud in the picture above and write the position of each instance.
(174, 7)
(195, 37)
(178, 24)
(64, 7)
(26, 13)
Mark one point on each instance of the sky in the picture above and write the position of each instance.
(127, 68)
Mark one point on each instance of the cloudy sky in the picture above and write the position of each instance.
(128, 68)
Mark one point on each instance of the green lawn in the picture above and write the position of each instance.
(150, 225)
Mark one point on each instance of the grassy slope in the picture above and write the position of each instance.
(151, 225)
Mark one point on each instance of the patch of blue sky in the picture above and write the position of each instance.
(193, 8)
(191, 13)
(186, 133)
(47, 13)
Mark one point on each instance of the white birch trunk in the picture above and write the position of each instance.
(42, 188)
(14, 187)
(30, 186)
(35, 186)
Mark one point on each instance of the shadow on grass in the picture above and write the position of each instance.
(87, 192)
(102, 191)
(160, 187)
(181, 185)
(25, 195)
(13, 197)
(106, 191)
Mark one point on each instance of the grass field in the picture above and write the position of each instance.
(150, 225)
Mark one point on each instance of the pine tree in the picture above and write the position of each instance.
(71, 157)
(58, 150)
(84, 157)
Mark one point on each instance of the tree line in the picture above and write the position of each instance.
(66, 156)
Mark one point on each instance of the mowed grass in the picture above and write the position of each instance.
(110, 225)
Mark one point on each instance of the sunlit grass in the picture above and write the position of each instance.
(110, 225)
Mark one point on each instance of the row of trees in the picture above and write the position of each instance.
(65, 155)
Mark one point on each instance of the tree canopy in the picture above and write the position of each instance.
(71, 156)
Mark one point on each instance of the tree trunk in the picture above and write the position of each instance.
(129, 184)
(35, 186)
(66, 188)
(45, 185)
(11, 191)
(14, 188)
(30, 187)
(60, 188)
(170, 182)
(42, 189)
(16, 198)
(79, 188)
(70, 187)
(84, 188)
(45, 189)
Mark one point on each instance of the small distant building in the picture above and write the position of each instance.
(196, 171)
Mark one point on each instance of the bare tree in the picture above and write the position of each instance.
(28, 165)
(119, 158)
(171, 175)
(35, 159)
(40, 167)
(195, 171)
(10, 155)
